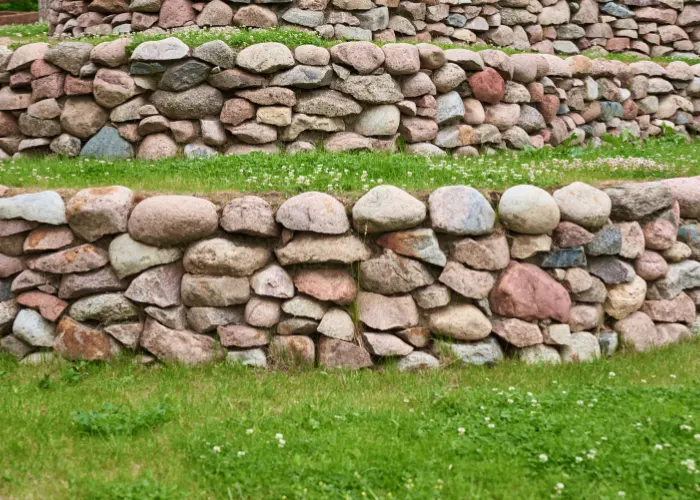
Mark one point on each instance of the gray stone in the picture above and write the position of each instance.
(46, 207)
(128, 256)
(304, 77)
(382, 89)
(484, 352)
(30, 327)
(529, 210)
(249, 357)
(583, 347)
(266, 57)
(607, 241)
(184, 75)
(460, 210)
(170, 49)
(214, 291)
(173, 317)
(216, 52)
(337, 323)
(387, 208)
(105, 308)
(611, 270)
(583, 205)
(539, 354)
(391, 274)
(206, 319)
(194, 103)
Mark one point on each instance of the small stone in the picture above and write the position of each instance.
(214, 291)
(485, 352)
(178, 346)
(310, 248)
(459, 321)
(46, 207)
(418, 360)
(338, 324)
(172, 317)
(384, 344)
(680, 309)
(387, 208)
(335, 353)
(81, 284)
(333, 285)
(490, 253)
(262, 312)
(159, 286)
(249, 357)
(584, 347)
(128, 256)
(466, 282)
(611, 270)
(49, 307)
(418, 243)
(73, 260)
(390, 274)
(524, 247)
(93, 213)
(292, 349)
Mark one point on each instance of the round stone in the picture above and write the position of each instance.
(387, 208)
(529, 210)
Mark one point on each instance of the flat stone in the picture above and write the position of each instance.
(242, 336)
(326, 102)
(169, 49)
(310, 248)
(390, 274)
(261, 312)
(373, 89)
(249, 357)
(484, 352)
(172, 220)
(105, 308)
(517, 332)
(636, 201)
(159, 286)
(418, 360)
(337, 323)
(363, 57)
(178, 346)
(386, 313)
(184, 75)
(490, 253)
(385, 344)
(81, 284)
(129, 256)
(334, 285)
(387, 208)
(315, 212)
(15, 347)
(421, 244)
(206, 319)
(49, 306)
(265, 57)
(564, 258)
(31, 327)
(173, 317)
(527, 292)
(69, 56)
(524, 246)
(46, 207)
(73, 260)
(249, 215)
(78, 342)
(191, 104)
(214, 291)
(611, 270)
(305, 307)
(607, 241)
(93, 213)
(220, 256)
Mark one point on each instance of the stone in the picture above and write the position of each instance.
(249, 357)
(378, 121)
(485, 352)
(178, 346)
(215, 13)
(487, 86)
(261, 312)
(31, 327)
(78, 342)
(105, 308)
(242, 336)
(15, 347)
(113, 87)
(585, 317)
(129, 257)
(107, 144)
(207, 319)
(363, 57)
(24, 55)
(468, 283)
(172, 317)
(337, 324)
(301, 123)
(327, 103)
(583, 347)
(312, 55)
(391, 274)
(46, 207)
(304, 77)
(686, 191)
(302, 307)
(249, 215)
(81, 284)
(678, 252)
(172, 220)
(387, 208)
(459, 321)
(564, 258)
(385, 344)
(373, 89)
(159, 286)
(659, 234)
(583, 205)
(577, 280)
(517, 332)
(184, 75)
(221, 256)
(529, 210)
(156, 147)
(77, 259)
(680, 309)
(607, 241)
(96, 212)
(450, 108)
(386, 313)
(611, 270)
(334, 285)
(66, 145)
(418, 129)
(526, 292)
(315, 212)
(557, 334)
(82, 117)
(335, 353)
(524, 247)
(192, 104)
(539, 354)
(292, 349)
(638, 331)
(489, 253)
(474, 215)
(175, 13)
(265, 58)
(49, 306)
(128, 334)
(69, 56)
(418, 360)
(272, 281)
(632, 239)
(217, 52)
(214, 291)
(650, 266)
(310, 248)
(419, 243)
(636, 201)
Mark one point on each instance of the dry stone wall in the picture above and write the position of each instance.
(166, 99)
(642, 27)
(566, 276)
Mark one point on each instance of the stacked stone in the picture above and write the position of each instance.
(166, 99)
(565, 277)
(639, 27)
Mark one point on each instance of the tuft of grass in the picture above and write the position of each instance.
(113, 419)
(20, 6)
(351, 173)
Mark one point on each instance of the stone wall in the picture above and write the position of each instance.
(643, 27)
(561, 277)
(72, 98)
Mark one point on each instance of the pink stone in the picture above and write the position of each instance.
(549, 107)
(487, 86)
(334, 353)
(335, 285)
(48, 87)
(49, 307)
(526, 292)
(242, 336)
(10, 265)
(175, 13)
(41, 68)
(517, 332)
(77, 86)
(680, 309)
(568, 235)
(659, 234)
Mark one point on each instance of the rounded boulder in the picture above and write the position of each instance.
(529, 210)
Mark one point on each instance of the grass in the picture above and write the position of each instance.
(352, 173)
(629, 425)
(20, 6)
(291, 37)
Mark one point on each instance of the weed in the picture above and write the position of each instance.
(116, 419)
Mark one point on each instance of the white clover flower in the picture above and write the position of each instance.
(686, 428)
(697, 437)
(659, 447)
(579, 402)
(241, 453)
(621, 493)
(510, 401)
(281, 443)
(543, 458)
(460, 430)
(578, 460)
(279, 436)
(673, 376)
(492, 426)
(559, 487)
(611, 375)
(249, 431)
(216, 449)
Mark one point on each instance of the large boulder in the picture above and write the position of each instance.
(315, 212)
(96, 212)
(221, 256)
(583, 205)
(172, 220)
(191, 104)
(529, 210)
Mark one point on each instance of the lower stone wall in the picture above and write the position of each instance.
(563, 277)
(164, 99)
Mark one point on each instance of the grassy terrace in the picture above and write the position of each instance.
(236, 37)
(625, 427)
(352, 173)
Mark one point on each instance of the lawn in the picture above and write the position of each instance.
(352, 173)
(629, 426)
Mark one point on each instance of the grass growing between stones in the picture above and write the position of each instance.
(353, 173)
(628, 426)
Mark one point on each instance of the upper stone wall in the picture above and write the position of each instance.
(165, 99)
(642, 27)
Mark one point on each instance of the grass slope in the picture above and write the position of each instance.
(629, 426)
(352, 173)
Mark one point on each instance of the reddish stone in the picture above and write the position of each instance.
(536, 90)
(629, 110)
(680, 309)
(20, 79)
(517, 332)
(527, 292)
(568, 235)
(76, 341)
(659, 234)
(141, 21)
(335, 285)
(334, 353)
(48, 87)
(41, 68)
(9, 227)
(8, 124)
(49, 307)
(549, 107)
(48, 238)
(242, 336)
(175, 13)
(77, 86)
(650, 266)
(10, 265)
(487, 86)
(617, 44)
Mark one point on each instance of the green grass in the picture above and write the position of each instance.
(372, 434)
(242, 37)
(352, 173)
(20, 6)
(27, 32)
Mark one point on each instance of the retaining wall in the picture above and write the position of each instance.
(72, 98)
(643, 27)
(561, 277)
